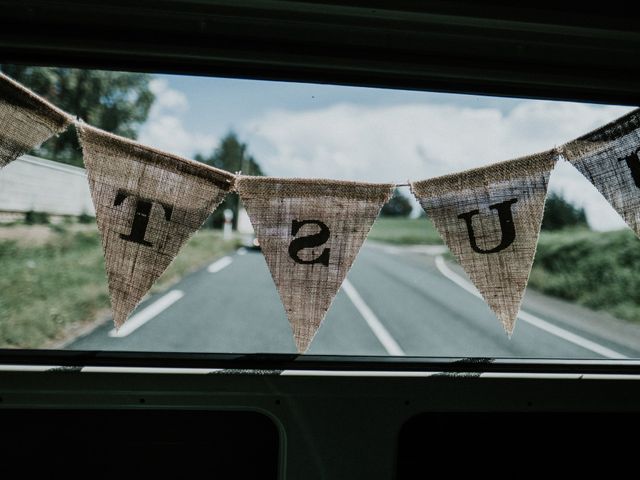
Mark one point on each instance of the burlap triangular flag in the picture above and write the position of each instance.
(148, 203)
(26, 120)
(310, 232)
(490, 219)
(610, 159)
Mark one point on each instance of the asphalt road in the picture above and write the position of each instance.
(396, 301)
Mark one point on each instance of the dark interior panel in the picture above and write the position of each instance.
(138, 444)
(497, 444)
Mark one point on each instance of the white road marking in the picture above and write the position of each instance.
(218, 265)
(381, 333)
(147, 313)
(532, 319)
(241, 251)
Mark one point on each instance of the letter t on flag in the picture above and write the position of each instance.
(148, 203)
(490, 219)
(310, 232)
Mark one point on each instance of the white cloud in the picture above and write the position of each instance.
(164, 128)
(167, 98)
(395, 143)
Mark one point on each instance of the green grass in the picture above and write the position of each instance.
(46, 289)
(405, 231)
(600, 270)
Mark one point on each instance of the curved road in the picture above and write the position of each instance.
(397, 301)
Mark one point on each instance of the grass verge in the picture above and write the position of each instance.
(405, 231)
(600, 270)
(52, 285)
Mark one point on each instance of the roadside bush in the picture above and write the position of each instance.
(34, 218)
(600, 270)
(85, 218)
(559, 214)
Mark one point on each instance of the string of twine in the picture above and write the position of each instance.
(558, 150)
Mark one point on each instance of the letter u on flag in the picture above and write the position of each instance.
(490, 219)
(26, 120)
(148, 203)
(610, 159)
(310, 232)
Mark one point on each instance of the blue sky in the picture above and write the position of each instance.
(328, 131)
(228, 103)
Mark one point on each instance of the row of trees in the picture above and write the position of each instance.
(559, 214)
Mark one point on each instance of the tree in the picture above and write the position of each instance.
(231, 155)
(558, 214)
(398, 206)
(118, 102)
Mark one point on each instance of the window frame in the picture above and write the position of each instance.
(530, 51)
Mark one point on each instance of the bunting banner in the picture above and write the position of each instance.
(310, 232)
(609, 158)
(490, 219)
(148, 203)
(26, 120)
